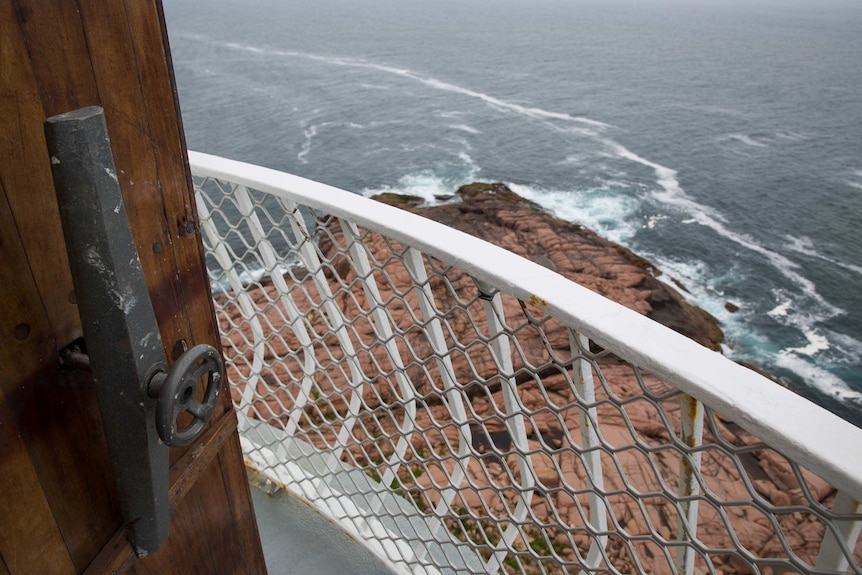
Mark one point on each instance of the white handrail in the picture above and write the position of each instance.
(782, 419)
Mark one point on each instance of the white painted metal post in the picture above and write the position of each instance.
(589, 419)
(502, 353)
(294, 317)
(833, 556)
(311, 260)
(454, 399)
(383, 329)
(691, 418)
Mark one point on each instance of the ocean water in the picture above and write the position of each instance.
(720, 139)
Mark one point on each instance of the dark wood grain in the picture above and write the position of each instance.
(3, 569)
(57, 56)
(238, 492)
(198, 524)
(25, 169)
(188, 469)
(55, 413)
(30, 541)
(116, 557)
(53, 34)
(169, 150)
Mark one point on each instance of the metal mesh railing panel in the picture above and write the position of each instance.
(455, 428)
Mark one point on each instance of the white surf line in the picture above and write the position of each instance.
(465, 128)
(533, 112)
(801, 247)
(309, 133)
(675, 195)
(855, 180)
(666, 176)
(816, 377)
(747, 140)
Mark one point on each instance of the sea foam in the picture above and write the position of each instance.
(671, 194)
(805, 246)
(747, 140)
(465, 128)
(609, 211)
(818, 378)
(426, 185)
(498, 103)
(603, 210)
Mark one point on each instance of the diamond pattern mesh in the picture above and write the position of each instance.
(456, 429)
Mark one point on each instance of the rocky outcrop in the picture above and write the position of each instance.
(496, 214)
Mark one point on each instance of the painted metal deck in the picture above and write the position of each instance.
(298, 539)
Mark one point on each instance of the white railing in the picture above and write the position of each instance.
(460, 409)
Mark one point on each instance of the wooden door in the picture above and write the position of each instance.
(58, 505)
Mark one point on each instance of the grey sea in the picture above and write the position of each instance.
(720, 139)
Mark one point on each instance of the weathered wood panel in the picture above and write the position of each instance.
(217, 549)
(48, 406)
(54, 37)
(50, 409)
(27, 517)
(55, 483)
(26, 514)
(22, 140)
(156, 75)
(237, 490)
(119, 89)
